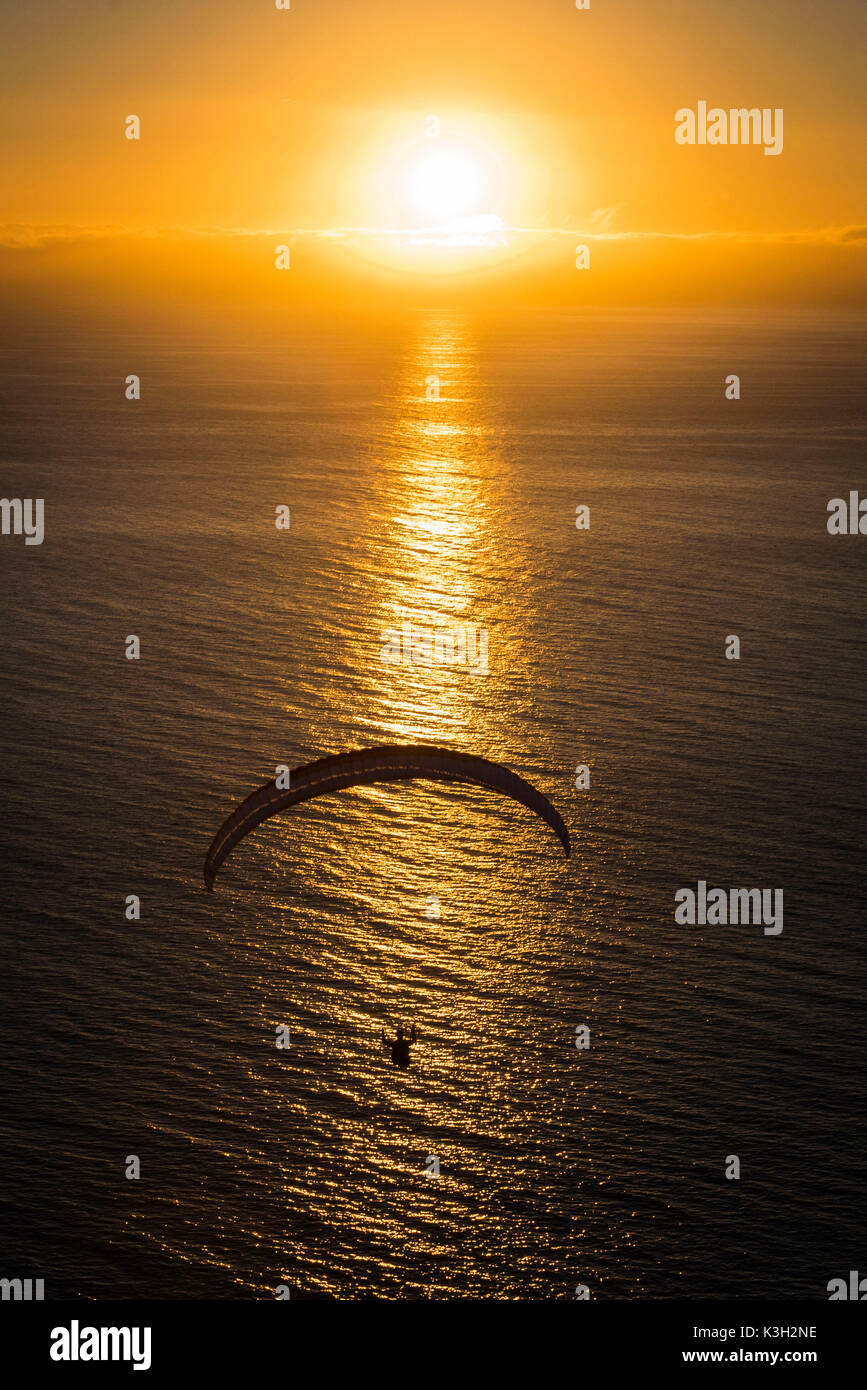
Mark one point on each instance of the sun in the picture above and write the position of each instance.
(440, 204)
(441, 180)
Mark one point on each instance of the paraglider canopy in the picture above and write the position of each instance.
(389, 763)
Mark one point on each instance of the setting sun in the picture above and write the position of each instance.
(442, 179)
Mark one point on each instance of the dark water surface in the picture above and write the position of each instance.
(306, 1166)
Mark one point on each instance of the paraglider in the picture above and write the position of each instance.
(400, 1045)
(389, 763)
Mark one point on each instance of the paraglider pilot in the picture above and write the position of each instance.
(400, 1046)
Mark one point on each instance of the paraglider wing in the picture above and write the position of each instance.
(387, 764)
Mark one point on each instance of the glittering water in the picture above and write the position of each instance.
(306, 1166)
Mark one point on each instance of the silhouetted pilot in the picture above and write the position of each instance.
(400, 1047)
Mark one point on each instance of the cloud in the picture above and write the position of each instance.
(602, 218)
(25, 236)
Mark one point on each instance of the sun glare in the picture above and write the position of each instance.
(444, 179)
(441, 204)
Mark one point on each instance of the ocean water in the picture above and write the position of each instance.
(307, 1166)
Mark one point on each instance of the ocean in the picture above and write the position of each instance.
(307, 1166)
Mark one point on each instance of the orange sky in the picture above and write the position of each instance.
(262, 126)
